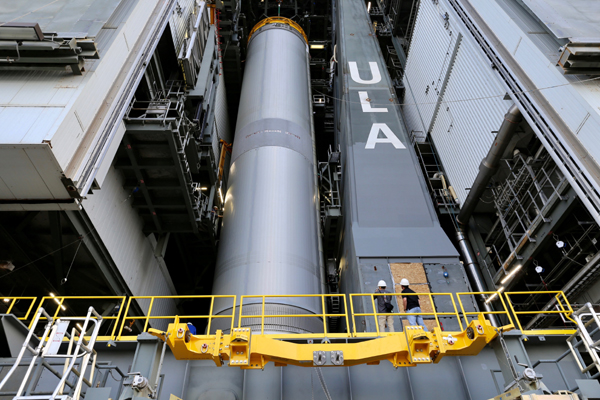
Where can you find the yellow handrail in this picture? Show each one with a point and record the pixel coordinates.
(60, 306)
(490, 295)
(540, 332)
(323, 315)
(67, 306)
(148, 316)
(13, 300)
(376, 313)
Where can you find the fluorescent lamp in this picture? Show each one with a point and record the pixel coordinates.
(221, 195)
(369, 7)
(203, 188)
(80, 327)
(6, 300)
(63, 308)
(20, 31)
(492, 297)
(317, 46)
(510, 274)
(51, 294)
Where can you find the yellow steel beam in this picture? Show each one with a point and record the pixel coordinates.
(253, 351)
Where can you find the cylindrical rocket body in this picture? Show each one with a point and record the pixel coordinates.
(269, 239)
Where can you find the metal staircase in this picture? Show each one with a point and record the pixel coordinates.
(588, 325)
(49, 347)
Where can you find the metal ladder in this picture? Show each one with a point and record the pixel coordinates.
(588, 324)
(49, 347)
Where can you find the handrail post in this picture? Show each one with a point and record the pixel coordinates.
(323, 314)
(262, 322)
(112, 334)
(348, 331)
(456, 311)
(212, 302)
(375, 314)
(149, 313)
(352, 312)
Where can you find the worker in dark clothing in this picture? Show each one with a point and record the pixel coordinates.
(411, 305)
(383, 306)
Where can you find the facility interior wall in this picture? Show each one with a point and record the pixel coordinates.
(203, 380)
(576, 102)
(452, 93)
(179, 23)
(59, 107)
(120, 228)
(358, 382)
(567, 103)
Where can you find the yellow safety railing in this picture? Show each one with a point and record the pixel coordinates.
(375, 314)
(11, 301)
(67, 306)
(323, 315)
(489, 297)
(563, 309)
(148, 315)
(125, 323)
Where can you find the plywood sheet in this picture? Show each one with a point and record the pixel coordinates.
(415, 273)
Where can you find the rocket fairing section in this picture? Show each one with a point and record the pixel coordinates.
(270, 237)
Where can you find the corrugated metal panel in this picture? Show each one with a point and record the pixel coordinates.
(472, 109)
(180, 22)
(120, 228)
(429, 55)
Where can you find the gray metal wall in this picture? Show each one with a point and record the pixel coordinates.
(452, 92)
(388, 214)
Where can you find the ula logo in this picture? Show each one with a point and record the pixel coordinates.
(388, 135)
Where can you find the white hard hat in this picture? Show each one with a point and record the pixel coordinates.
(404, 282)
(381, 284)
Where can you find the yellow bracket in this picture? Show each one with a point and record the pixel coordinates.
(253, 351)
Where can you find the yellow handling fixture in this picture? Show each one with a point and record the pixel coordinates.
(253, 351)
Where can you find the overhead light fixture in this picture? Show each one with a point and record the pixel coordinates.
(317, 46)
(369, 7)
(7, 265)
(492, 297)
(6, 300)
(203, 188)
(20, 31)
(63, 308)
(80, 327)
(510, 274)
(221, 195)
(51, 294)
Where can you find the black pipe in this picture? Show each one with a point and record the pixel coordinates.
(489, 165)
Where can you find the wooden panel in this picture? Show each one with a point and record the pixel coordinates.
(415, 273)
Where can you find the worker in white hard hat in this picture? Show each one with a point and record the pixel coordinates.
(384, 305)
(411, 305)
